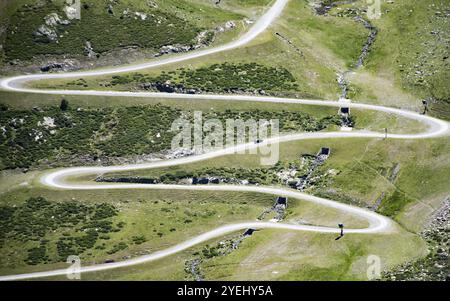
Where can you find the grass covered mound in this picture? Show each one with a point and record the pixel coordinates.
(30, 137)
(216, 78)
(35, 30)
(73, 227)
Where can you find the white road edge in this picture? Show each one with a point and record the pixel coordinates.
(377, 223)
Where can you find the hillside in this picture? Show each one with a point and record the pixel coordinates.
(90, 164)
(61, 37)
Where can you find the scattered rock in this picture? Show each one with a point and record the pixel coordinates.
(71, 12)
(49, 33)
(89, 50)
(48, 122)
(66, 65)
(49, 29)
(142, 16)
(53, 19)
(110, 9)
(230, 25)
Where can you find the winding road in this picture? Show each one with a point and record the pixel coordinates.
(58, 179)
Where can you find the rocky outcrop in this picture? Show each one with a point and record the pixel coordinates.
(152, 4)
(229, 25)
(192, 267)
(72, 12)
(89, 50)
(48, 31)
(65, 65)
(203, 39)
(54, 19)
(168, 87)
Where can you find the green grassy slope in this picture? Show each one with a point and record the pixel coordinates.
(166, 23)
(364, 172)
(145, 221)
(411, 49)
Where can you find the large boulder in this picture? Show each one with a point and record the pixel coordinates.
(47, 32)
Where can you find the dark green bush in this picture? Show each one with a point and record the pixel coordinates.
(37, 218)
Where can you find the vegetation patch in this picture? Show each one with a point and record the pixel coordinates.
(61, 134)
(73, 227)
(216, 78)
(288, 173)
(44, 29)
